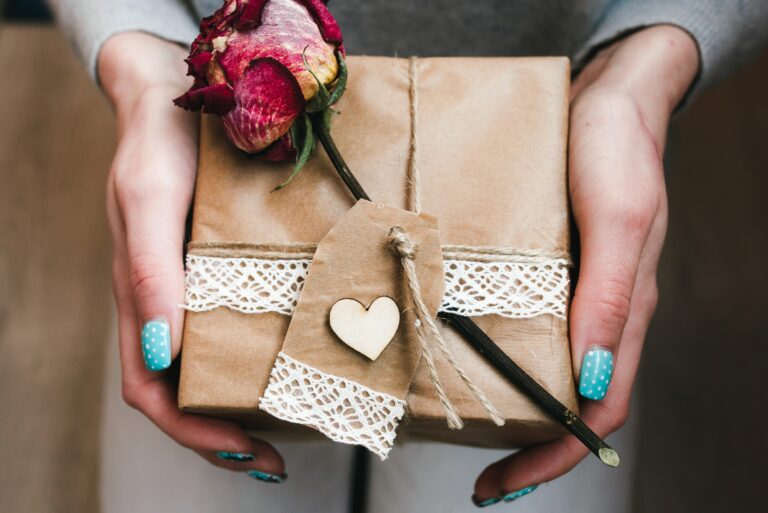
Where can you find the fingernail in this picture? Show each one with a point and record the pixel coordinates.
(266, 477)
(486, 502)
(156, 345)
(596, 373)
(235, 456)
(511, 496)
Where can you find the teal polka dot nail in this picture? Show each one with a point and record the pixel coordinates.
(512, 496)
(156, 345)
(486, 502)
(235, 456)
(596, 373)
(266, 477)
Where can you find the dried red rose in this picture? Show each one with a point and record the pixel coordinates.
(260, 64)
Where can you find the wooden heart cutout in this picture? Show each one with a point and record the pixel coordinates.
(366, 330)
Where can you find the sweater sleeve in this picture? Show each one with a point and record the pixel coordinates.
(89, 23)
(727, 32)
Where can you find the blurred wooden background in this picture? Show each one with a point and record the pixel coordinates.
(702, 391)
(56, 143)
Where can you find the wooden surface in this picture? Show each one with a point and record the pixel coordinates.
(702, 393)
(55, 147)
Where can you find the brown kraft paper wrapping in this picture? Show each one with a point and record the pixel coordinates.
(492, 140)
(320, 381)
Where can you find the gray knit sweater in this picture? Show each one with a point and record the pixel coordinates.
(727, 31)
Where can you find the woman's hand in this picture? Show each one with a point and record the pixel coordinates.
(620, 107)
(149, 192)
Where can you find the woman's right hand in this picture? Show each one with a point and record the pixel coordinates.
(149, 193)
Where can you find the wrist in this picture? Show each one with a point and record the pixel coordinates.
(131, 64)
(655, 66)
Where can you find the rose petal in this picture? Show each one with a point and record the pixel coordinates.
(198, 64)
(249, 16)
(215, 99)
(289, 34)
(325, 21)
(267, 100)
(217, 24)
(221, 17)
(281, 150)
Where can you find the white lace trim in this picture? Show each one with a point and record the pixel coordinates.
(248, 285)
(514, 289)
(341, 409)
(511, 289)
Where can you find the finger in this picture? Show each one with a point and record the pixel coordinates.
(545, 462)
(131, 361)
(614, 203)
(262, 462)
(154, 190)
(157, 400)
(538, 464)
(156, 397)
(542, 463)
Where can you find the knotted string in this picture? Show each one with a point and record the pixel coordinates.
(425, 324)
(426, 328)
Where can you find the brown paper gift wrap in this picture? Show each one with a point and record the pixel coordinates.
(492, 136)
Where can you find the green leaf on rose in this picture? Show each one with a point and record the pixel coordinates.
(303, 138)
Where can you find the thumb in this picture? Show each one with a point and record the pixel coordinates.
(611, 242)
(615, 182)
(155, 236)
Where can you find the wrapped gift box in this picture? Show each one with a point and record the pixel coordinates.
(492, 136)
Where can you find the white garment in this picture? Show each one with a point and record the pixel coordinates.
(142, 470)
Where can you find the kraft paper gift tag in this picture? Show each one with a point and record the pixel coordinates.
(320, 381)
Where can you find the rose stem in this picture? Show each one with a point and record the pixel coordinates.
(321, 129)
(479, 339)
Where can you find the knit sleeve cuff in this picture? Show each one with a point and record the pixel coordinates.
(90, 23)
(726, 33)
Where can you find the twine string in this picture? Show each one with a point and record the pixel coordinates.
(406, 250)
(414, 176)
(426, 328)
(306, 250)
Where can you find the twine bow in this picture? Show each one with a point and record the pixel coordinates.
(426, 328)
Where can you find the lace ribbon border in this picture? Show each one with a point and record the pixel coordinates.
(513, 289)
(302, 394)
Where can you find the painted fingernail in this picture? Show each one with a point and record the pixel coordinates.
(512, 496)
(266, 477)
(156, 345)
(486, 502)
(235, 456)
(596, 373)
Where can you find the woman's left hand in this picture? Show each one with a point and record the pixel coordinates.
(149, 193)
(620, 108)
